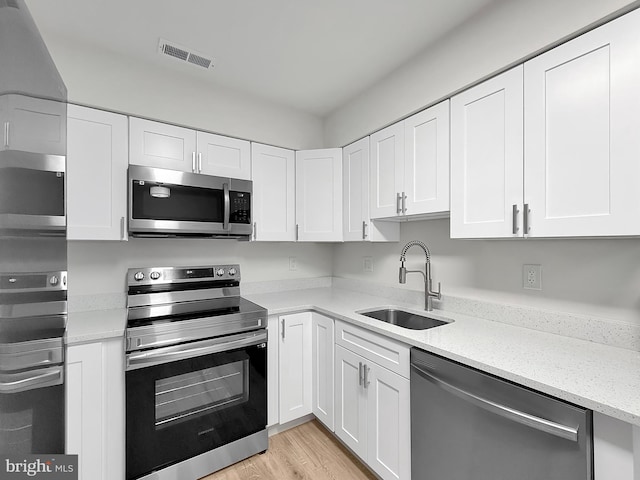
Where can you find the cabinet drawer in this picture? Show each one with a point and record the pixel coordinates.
(377, 348)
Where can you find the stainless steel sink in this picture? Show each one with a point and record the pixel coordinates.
(403, 318)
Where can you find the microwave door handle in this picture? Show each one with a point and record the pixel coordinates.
(227, 206)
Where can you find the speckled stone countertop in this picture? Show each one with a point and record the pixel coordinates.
(95, 325)
(603, 378)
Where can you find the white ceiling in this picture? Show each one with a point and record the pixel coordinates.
(312, 55)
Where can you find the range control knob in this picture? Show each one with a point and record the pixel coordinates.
(232, 271)
(139, 276)
(53, 280)
(220, 272)
(154, 275)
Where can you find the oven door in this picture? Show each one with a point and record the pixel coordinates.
(192, 404)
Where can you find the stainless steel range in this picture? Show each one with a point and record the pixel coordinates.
(196, 372)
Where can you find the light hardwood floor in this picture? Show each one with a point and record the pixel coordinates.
(306, 452)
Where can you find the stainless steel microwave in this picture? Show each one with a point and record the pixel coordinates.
(171, 203)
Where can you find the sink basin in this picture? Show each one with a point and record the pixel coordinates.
(403, 318)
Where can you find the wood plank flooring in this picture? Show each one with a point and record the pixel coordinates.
(306, 452)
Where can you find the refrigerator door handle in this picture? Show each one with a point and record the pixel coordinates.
(523, 418)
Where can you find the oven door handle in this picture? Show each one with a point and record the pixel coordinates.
(21, 382)
(195, 349)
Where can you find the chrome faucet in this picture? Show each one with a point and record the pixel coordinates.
(428, 293)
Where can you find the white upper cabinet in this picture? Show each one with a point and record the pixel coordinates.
(274, 191)
(33, 125)
(387, 171)
(156, 144)
(319, 195)
(426, 166)
(223, 156)
(582, 147)
(357, 224)
(410, 166)
(486, 158)
(96, 174)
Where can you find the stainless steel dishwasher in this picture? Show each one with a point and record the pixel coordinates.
(469, 425)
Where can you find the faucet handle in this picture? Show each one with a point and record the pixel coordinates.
(439, 297)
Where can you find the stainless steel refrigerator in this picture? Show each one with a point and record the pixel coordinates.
(33, 251)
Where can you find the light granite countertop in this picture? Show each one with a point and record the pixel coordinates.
(599, 377)
(603, 378)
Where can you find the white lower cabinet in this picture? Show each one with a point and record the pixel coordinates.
(322, 366)
(95, 408)
(372, 402)
(295, 372)
(616, 449)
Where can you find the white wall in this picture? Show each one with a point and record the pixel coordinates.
(102, 79)
(595, 277)
(98, 268)
(487, 43)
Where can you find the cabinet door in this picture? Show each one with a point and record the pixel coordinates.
(355, 176)
(95, 408)
(426, 167)
(319, 195)
(581, 156)
(274, 192)
(96, 174)
(223, 156)
(322, 361)
(388, 422)
(33, 125)
(351, 401)
(273, 370)
(486, 158)
(387, 171)
(155, 144)
(295, 366)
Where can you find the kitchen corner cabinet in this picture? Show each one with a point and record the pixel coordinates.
(156, 144)
(581, 144)
(33, 124)
(357, 223)
(96, 174)
(409, 173)
(487, 158)
(322, 366)
(295, 371)
(319, 195)
(372, 400)
(95, 408)
(274, 191)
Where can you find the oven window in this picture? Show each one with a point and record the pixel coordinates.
(31, 192)
(199, 393)
(177, 203)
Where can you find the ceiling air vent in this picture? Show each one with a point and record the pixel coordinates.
(182, 53)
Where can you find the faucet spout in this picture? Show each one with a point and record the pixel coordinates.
(429, 294)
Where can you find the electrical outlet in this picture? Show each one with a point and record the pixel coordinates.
(532, 277)
(293, 263)
(367, 264)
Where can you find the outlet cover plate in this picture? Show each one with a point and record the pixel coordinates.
(532, 277)
(367, 264)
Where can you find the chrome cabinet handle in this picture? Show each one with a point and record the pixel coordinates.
(514, 216)
(6, 134)
(282, 322)
(509, 413)
(227, 206)
(398, 203)
(404, 203)
(255, 230)
(193, 162)
(525, 218)
(199, 162)
(366, 381)
(360, 373)
(122, 235)
(297, 232)
(364, 230)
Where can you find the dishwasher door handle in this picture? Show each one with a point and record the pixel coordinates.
(527, 419)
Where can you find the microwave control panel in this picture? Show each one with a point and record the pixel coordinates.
(240, 207)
